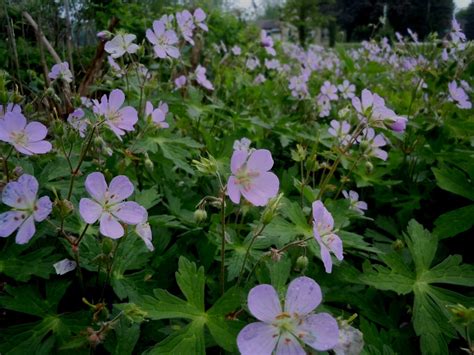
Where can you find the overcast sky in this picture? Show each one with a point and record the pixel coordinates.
(462, 3)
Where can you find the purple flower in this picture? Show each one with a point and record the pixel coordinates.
(355, 204)
(158, 115)
(346, 89)
(267, 43)
(78, 122)
(9, 108)
(180, 81)
(186, 25)
(298, 85)
(324, 105)
(120, 45)
(459, 96)
(236, 50)
(21, 195)
(242, 144)
(372, 144)
(61, 71)
(456, 32)
(163, 40)
(259, 79)
(252, 63)
(117, 70)
(251, 177)
(117, 119)
(323, 230)
(340, 130)
(104, 35)
(329, 90)
(199, 17)
(64, 266)
(272, 64)
(202, 79)
(351, 340)
(413, 35)
(284, 330)
(106, 205)
(26, 138)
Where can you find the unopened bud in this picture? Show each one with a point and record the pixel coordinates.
(369, 167)
(461, 314)
(107, 246)
(149, 166)
(200, 215)
(207, 166)
(299, 154)
(398, 245)
(271, 210)
(344, 112)
(65, 207)
(302, 262)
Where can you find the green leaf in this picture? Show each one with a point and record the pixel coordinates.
(455, 181)
(422, 246)
(166, 306)
(279, 272)
(451, 271)
(191, 282)
(454, 222)
(148, 198)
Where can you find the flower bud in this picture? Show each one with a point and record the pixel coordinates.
(207, 166)
(271, 210)
(302, 263)
(369, 167)
(65, 207)
(461, 314)
(344, 112)
(149, 166)
(200, 215)
(398, 245)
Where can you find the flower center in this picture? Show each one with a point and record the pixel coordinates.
(245, 177)
(19, 137)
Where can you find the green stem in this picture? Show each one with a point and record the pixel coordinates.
(5, 165)
(222, 277)
(255, 235)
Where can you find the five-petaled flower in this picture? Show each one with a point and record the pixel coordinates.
(323, 230)
(107, 205)
(21, 195)
(355, 204)
(157, 115)
(459, 96)
(289, 329)
(119, 119)
(26, 138)
(251, 177)
(61, 71)
(202, 79)
(163, 40)
(121, 44)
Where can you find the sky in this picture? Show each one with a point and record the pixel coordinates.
(247, 3)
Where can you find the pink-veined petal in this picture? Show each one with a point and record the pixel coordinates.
(289, 345)
(263, 303)
(26, 231)
(238, 159)
(120, 188)
(10, 221)
(89, 210)
(43, 208)
(321, 331)
(96, 186)
(260, 160)
(257, 339)
(233, 189)
(110, 227)
(303, 296)
(129, 212)
(263, 188)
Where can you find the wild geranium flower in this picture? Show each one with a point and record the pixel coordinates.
(21, 195)
(26, 138)
(340, 130)
(259, 79)
(186, 25)
(272, 63)
(459, 96)
(323, 230)
(236, 50)
(351, 341)
(163, 40)
(457, 34)
(372, 143)
(116, 69)
(11, 107)
(251, 177)
(324, 105)
(61, 71)
(355, 204)
(107, 205)
(180, 81)
(346, 89)
(199, 17)
(298, 85)
(371, 108)
(157, 115)
(267, 43)
(286, 331)
(242, 144)
(78, 122)
(252, 63)
(413, 35)
(329, 90)
(121, 44)
(202, 79)
(119, 119)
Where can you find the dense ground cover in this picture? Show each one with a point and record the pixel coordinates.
(210, 176)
